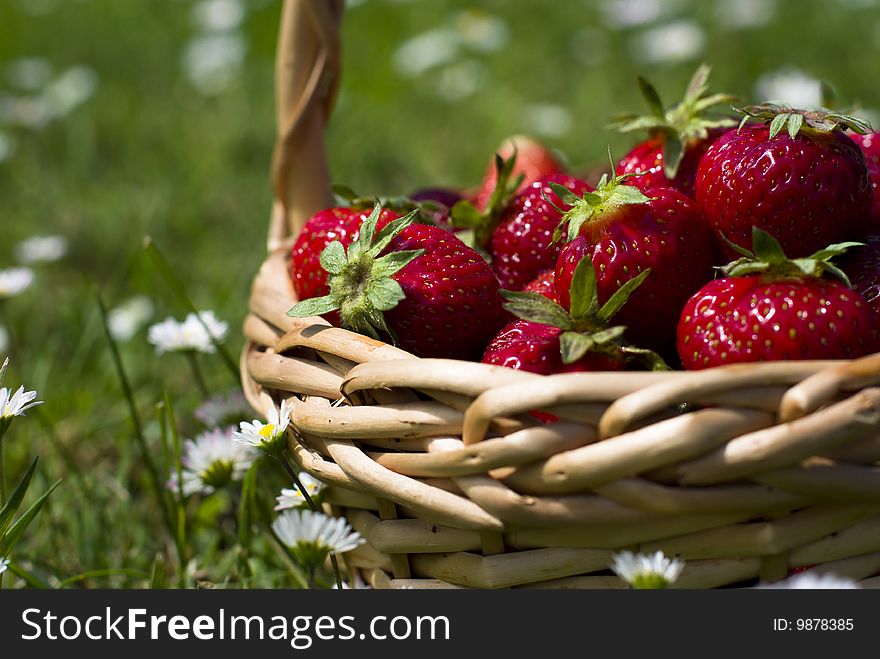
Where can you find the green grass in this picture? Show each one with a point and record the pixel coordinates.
(150, 155)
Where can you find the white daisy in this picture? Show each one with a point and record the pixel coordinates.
(621, 14)
(311, 535)
(211, 461)
(127, 319)
(14, 404)
(4, 565)
(293, 498)
(173, 336)
(41, 249)
(425, 51)
(69, 90)
(15, 280)
(646, 571)
(481, 31)
(268, 437)
(18, 403)
(814, 581)
(678, 41)
(789, 85)
(744, 14)
(218, 15)
(224, 409)
(548, 119)
(212, 61)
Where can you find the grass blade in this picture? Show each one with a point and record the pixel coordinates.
(21, 524)
(8, 511)
(111, 572)
(153, 473)
(245, 515)
(31, 579)
(157, 580)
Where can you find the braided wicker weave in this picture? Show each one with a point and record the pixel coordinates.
(743, 471)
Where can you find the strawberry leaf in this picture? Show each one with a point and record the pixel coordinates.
(673, 152)
(388, 233)
(332, 259)
(795, 122)
(699, 83)
(766, 247)
(390, 264)
(621, 295)
(652, 359)
(536, 308)
(608, 335)
(583, 290)
(316, 306)
(778, 124)
(834, 250)
(652, 98)
(344, 193)
(368, 227)
(574, 345)
(384, 294)
(834, 271)
(567, 196)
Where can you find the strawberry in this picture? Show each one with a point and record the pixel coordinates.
(769, 307)
(545, 284)
(678, 137)
(625, 231)
(548, 339)
(516, 232)
(862, 266)
(869, 143)
(533, 161)
(800, 178)
(418, 284)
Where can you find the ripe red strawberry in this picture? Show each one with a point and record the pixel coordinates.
(869, 143)
(800, 178)
(678, 138)
(516, 232)
(545, 284)
(625, 232)
(419, 284)
(548, 339)
(771, 308)
(309, 279)
(533, 161)
(535, 348)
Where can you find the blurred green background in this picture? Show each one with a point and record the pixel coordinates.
(120, 119)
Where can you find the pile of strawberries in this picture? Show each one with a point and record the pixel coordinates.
(711, 243)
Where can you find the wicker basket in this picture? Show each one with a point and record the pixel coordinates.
(743, 471)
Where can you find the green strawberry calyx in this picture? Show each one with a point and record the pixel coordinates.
(361, 283)
(680, 125)
(587, 326)
(596, 207)
(768, 259)
(782, 117)
(479, 224)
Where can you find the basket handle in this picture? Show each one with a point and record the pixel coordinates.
(306, 81)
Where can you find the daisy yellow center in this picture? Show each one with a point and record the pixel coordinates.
(267, 431)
